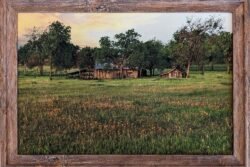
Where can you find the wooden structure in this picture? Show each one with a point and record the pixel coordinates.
(82, 74)
(9, 9)
(115, 73)
(103, 74)
(87, 74)
(174, 73)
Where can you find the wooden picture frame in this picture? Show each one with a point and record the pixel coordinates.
(8, 81)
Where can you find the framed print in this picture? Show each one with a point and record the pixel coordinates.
(125, 96)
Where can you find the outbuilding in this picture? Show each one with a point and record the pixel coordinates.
(174, 73)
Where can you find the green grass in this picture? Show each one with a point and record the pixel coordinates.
(130, 116)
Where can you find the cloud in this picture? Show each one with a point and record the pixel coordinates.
(82, 24)
(87, 28)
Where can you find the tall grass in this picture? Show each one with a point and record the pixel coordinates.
(130, 116)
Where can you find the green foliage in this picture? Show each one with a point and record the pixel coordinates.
(52, 45)
(125, 44)
(224, 42)
(86, 58)
(188, 45)
(153, 55)
(138, 56)
(64, 56)
(61, 50)
(119, 51)
(24, 53)
(107, 53)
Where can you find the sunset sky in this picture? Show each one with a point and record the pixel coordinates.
(87, 28)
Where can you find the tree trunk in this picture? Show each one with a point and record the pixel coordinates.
(212, 66)
(188, 70)
(228, 68)
(121, 72)
(41, 70)
(25, 69)
(202, 69)
(80, 73)
(151, 72)
(50, 73)
(139, 72)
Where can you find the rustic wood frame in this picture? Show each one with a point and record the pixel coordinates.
(8, 81)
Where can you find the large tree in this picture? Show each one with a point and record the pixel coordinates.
(64, 56)
(188, 43)
(31, 53)
(153, 55)
(165, 60)
(225, 45)
(24, 55)
(125, 44)
(107, 53)
(86, 58)
(138, 57)
(57, 46)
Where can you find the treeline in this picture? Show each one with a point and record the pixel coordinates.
(198, 42)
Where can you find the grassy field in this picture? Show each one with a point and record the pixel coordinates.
(130, 116)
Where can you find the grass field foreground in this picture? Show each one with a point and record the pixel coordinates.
(129, 116)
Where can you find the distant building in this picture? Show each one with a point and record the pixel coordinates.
(174, 73)
(104, 73)
(115, 73)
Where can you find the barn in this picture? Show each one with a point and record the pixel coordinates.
(115, 73)
(174, 73)
(82, 74)
(104, 73)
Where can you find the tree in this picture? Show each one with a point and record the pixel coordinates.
(35, 55)
(86, 58)
(23, 55)
(107, 53)
(154, 53)
(188, 44)
(125, 44)
(211, 50)
(165, 60)
(225, 45)
(138, 57)
(57, 41)
(179, 53)
(64, 56)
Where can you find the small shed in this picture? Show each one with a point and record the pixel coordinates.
(174, 73)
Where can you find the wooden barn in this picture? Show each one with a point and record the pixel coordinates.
(82, 74)
(115, 73)
(174, 73)
(87, 74)
(104, 73)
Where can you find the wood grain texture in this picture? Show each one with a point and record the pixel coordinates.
(124, 160)
(151, 160)
(124, 5)
(9, 86)
(37, 160)
(239, 84)
(247, 8)
(2, 83)
(247, 80)
(115, 166)
(11, 55)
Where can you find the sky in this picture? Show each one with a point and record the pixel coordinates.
(88, 28)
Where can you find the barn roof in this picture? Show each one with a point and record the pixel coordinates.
(174, 70)
(165, 73)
